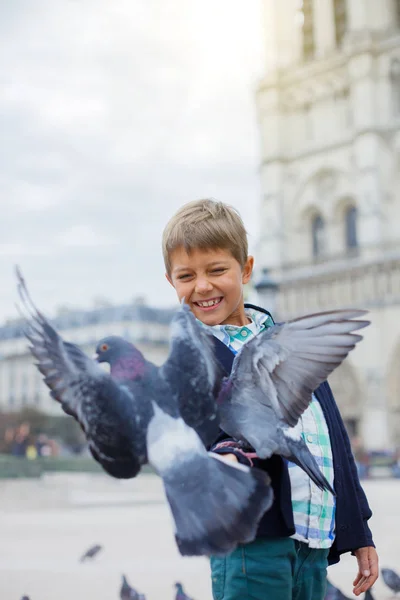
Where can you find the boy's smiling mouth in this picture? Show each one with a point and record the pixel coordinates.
(209, 304)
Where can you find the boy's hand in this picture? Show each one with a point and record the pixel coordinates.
(368, 569)
(230, 457)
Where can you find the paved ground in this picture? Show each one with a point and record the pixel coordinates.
(46, 525)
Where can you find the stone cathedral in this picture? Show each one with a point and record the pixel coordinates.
(329, 117)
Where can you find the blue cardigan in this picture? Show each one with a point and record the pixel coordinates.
(352, 509)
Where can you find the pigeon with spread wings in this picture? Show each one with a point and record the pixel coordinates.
(273, 378)
(132, 416)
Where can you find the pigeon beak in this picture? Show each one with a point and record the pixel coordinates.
(95, 357)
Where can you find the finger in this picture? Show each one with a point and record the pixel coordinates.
(357, 579)
(362, 586)
(360, 583)
(370, 583)
(230, 457)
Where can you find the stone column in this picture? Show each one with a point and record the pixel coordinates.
(270, 19)
(324, 27)
(272, 226)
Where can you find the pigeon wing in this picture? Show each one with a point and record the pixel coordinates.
(71, 375)
(83, 389)
(292, 359)
(194, 374)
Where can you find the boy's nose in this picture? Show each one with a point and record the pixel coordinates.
(203, 286)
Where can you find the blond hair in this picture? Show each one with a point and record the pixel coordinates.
(205, 224)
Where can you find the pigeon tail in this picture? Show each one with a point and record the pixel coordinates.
(218, 506)
(302, 457)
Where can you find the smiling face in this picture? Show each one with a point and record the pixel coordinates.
(211, 281)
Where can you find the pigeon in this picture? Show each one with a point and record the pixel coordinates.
(91, 552)
(271, 383)
(25, 598)
(180, 594)
(368, 595)
(333, 593)
(132, 416)
(391, 579)
(129, 593)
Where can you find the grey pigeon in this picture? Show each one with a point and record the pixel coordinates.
(91, 552)
(25, 598)
(333, 593)
(391, 579)
(129, 593)
(368, 595)
(273, 378)
(132, 416)
(270, 385)
(180, 594)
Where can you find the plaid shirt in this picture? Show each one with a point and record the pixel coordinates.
(313, 509)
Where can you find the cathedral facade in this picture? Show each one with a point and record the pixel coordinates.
(329, 118)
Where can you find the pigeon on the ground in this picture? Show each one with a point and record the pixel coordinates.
(272, 379)
(180, 594)
(129, 593)
(391, 579)
(91, 552)
(25, 598)
(333, 593)
(133, 416)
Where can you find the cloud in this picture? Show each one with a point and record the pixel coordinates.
(113, 114)
(83, 236)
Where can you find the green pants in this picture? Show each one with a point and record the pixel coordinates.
(270, 569)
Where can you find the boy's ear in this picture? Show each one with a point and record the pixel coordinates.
(169, 279)
(248, 269)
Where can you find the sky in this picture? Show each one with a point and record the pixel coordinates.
(113, 115)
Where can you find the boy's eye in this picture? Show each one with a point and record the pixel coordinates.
(185, 276)
(220, 270)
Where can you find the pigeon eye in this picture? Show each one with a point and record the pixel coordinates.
(104, 347)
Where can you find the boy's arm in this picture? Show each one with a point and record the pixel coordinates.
(362, 499)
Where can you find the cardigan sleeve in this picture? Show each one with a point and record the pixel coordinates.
(366, 512)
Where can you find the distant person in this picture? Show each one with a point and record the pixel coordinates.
(8, 440)
(21, 440)
(361, 457)
(42, 445)
(206, 258)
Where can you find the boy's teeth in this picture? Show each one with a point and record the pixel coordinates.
(209, 303)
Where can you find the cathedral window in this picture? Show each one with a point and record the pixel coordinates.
(351, 228)
(340, 15)
(318, 236)
(395, 85)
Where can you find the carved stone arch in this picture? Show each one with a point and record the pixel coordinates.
(321, 188)
(342, 205)
(393, 396)
(304, 229)
(347, 389)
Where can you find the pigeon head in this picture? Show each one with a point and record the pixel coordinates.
(111, 348)
(125, 360)
(178, 586)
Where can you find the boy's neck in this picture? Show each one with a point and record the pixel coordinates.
(238, 318)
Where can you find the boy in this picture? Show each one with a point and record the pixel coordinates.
(207, 262)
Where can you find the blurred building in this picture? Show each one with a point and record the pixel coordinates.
(329, 113)
(20, 381)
